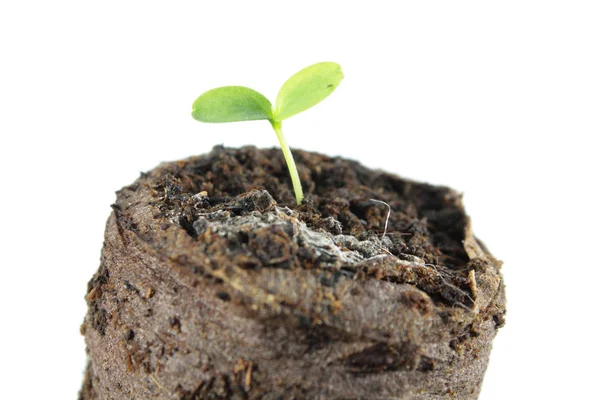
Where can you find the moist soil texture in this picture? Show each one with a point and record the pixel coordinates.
(214, 284)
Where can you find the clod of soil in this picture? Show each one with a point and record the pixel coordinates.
(213, 284)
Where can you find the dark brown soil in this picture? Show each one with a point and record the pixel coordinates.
(213, 284)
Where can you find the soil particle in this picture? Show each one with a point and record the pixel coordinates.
(214, 284)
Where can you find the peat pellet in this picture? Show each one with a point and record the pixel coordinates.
(214, 284)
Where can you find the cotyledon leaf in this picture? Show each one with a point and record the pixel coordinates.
(307, 88)
(231, 104)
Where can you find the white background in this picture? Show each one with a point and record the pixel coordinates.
(497, 99)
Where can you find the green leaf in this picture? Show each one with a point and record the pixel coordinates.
(231, 104)
(307, 88)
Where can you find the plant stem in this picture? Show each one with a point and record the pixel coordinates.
(289, 159)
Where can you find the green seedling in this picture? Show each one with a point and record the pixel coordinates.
(300, 92)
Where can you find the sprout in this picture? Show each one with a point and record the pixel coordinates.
(300, 92)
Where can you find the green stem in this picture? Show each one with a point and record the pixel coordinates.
(289, 159)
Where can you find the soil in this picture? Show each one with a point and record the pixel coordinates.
(214, 284)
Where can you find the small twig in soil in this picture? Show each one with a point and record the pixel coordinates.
(248, 380)
(158, 383)
(387, 219)
(452, 286)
